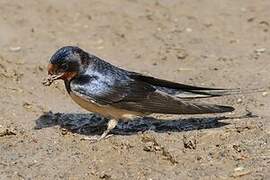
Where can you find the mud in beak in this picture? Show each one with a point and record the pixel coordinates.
(52, 75)
(51, 78)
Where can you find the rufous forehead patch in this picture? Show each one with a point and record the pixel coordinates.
(51, 68)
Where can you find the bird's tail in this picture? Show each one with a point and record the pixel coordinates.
(215, 93)
(191, 92)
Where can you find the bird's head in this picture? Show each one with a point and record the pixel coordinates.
(66, 63)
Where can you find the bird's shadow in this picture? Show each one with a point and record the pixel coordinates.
(92, 124)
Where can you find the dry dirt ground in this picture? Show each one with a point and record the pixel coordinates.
(218, 43)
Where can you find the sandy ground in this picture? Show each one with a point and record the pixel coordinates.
(201, 42)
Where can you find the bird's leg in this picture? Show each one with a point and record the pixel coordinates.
(111, 124)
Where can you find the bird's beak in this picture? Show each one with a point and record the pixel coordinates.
(52, 75)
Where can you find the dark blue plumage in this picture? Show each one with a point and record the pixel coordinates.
(100, 87)
(62, 54)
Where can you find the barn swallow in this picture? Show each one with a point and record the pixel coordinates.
(115, 93)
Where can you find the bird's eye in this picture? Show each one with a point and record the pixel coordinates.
(64, 67)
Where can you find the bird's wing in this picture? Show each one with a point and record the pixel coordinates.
(108, 91)
(160, 102)
(183, 90)
(138, 96)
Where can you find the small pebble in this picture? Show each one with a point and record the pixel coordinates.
(239, 100)
(64, 131)
(260, 50)
(250, 19)
(27, 105)
(181, 54)
(15, 49)
(183, 69)
(240, 168)
(149, 147)
(264, 94)
(240, 171)
(105, 176)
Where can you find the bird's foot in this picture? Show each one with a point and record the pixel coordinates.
(112, 123)
(94, 139)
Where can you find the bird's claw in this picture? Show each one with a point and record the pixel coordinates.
(94, 139)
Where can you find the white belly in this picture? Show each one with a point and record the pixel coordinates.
(104, 110)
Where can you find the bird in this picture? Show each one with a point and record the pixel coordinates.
(119, 94)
